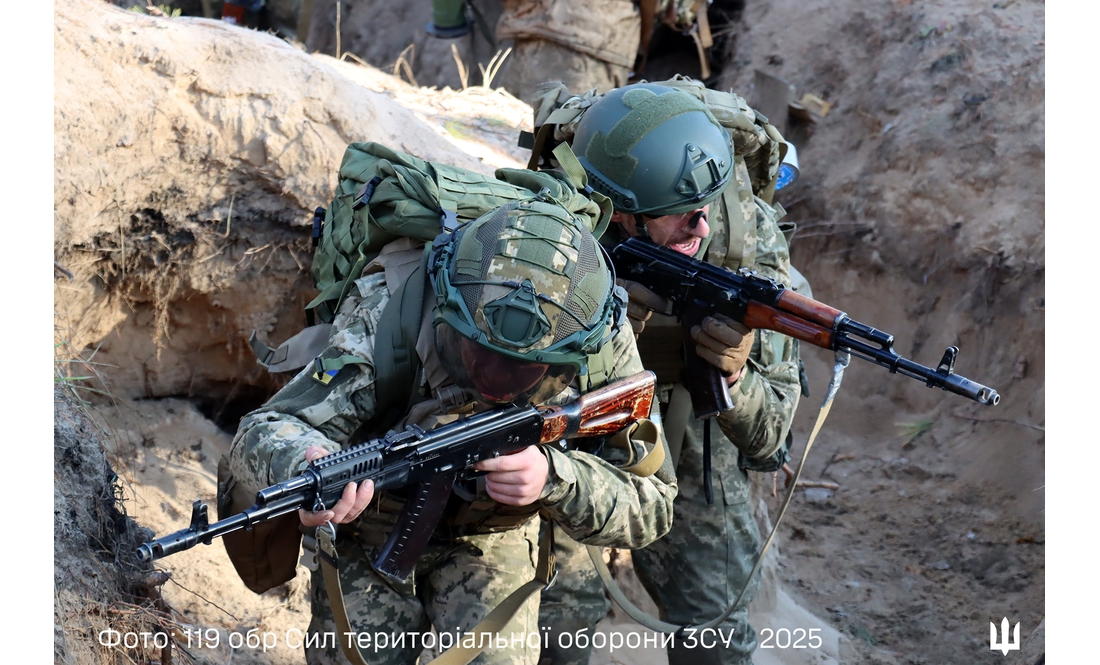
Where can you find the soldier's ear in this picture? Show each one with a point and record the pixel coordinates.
(624, 219)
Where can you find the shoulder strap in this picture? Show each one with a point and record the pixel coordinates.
(296, 352)
(396, 362)
(734, 238)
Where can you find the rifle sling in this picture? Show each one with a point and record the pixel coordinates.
(645, 463)
(493, 622)
(653, 623)
(676, 420)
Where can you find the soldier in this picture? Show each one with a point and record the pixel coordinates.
(518, 307)
(669, 169)
(592, 44)
(589, 44)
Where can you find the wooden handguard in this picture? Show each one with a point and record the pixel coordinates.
(601, 412)
(810, 309)
(758, 315)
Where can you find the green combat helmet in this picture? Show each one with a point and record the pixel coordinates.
(653, 150)
(524, 294)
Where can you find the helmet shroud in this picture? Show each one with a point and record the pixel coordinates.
(523, 295)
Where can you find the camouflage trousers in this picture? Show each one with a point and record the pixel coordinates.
(453, 588)
(575, 601)
(696, 571)
(693, 573)
(582, 43)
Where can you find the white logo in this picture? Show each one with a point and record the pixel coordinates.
(1005, 645)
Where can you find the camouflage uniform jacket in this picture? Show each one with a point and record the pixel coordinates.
(767, 393)
(593, 501)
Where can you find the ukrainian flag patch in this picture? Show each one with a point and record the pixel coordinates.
(324, 376)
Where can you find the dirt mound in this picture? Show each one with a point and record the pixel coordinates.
(193, 154)
(104, 597)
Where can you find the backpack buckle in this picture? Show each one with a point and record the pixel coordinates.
(318, 224)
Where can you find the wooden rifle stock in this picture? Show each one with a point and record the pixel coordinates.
(601, 412)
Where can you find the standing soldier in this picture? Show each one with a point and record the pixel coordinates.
(601, 44)
(669, 168)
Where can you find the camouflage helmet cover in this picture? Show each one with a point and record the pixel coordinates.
(654, 149)
(528, 282)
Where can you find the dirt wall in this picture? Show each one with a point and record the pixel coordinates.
(191, 155)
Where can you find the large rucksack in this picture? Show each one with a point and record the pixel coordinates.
(383, 195)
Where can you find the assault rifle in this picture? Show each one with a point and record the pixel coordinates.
(432, 460)
(697, 289)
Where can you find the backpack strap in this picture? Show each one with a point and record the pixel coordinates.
(396, 363)
(732, 241)
(599, 369)
(579, 179)
(296, 352)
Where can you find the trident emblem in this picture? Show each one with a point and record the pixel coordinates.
(1005, 644)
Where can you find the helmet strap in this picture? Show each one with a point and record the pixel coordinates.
(639, 226)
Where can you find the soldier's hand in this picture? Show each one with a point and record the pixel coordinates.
(642, 304)
(516, 479)
(353, 502)
(724, 343)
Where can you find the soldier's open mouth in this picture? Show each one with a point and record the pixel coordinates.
(687, 248)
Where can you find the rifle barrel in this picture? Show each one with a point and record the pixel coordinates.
(199, 532)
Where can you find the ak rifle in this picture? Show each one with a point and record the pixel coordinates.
(698, 289)
(431, 460)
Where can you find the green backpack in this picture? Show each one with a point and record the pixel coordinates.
(383, 195)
